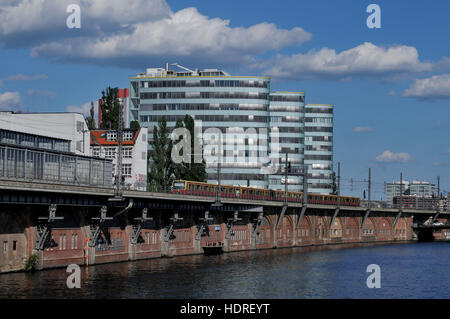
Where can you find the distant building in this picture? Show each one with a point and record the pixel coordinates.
(393, 189)
(418, 188)
(49, 148)
(416, 202)
(319, 147)
(66, 132)
(104, 144)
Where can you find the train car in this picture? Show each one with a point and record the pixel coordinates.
(228, 191)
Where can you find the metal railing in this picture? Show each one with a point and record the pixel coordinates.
(46, 166)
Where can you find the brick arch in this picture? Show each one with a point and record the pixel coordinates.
(305, 231)
(336, 229)
(320, 228)
(285, 231)
(265, 230)
(401, 229)
(384, 229)
(352, 229)
(369, 230)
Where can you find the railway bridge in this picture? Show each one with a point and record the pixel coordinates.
(52, 225)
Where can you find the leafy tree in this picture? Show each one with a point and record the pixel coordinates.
(190, 171)
(135, 125)
(161, 166)
(110, 109)
(90, 120)
(195, 171)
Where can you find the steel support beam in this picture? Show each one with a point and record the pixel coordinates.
(256, 223)
(230, 224)
(173, 220)
(203, 228)
(365, 217)
(336, 212)
(43, 229)
(96, 225)
(397, 219)
(280, 217)
(300, 217)
(138, 224)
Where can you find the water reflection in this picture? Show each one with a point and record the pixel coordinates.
(416, 270)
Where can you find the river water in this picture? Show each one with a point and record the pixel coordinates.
(415, 270)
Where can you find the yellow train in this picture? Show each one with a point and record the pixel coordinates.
(205, 189)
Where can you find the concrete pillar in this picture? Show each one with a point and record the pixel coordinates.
(132, 251)
(197, 242)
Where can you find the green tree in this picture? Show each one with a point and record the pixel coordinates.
(161, 172)
(190, 171)
(110, 109)
(333, 184)
(195, 171)
(90, 120)
(135, 125)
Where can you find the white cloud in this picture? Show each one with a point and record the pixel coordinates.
(83, 109)
(25, 22)
(185, 34)
(361, 129)
(390, 157)
(392, 93)
(434, 88)
(363, 61)
(22, 77)
(9, 100)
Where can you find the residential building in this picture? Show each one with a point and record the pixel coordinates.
(104, 144)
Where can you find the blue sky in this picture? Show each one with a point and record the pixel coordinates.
(390, 86)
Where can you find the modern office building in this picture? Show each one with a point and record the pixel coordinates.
(104, 144)
(286, 117)
(393, 189)
(420, 188)
(319, 147)
(255, 121)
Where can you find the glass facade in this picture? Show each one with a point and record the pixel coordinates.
(22, 163)
(286, 111)
(319, 147)
(244, 107)
(49, 143)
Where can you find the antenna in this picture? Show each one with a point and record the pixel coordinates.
(184, 68)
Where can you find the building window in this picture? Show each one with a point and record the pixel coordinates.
(110, 152)
(128, 135)
(80, 126)
(96, 152)
(127, 152)
(15, 245)
(79, 146)
(111, 136)
(5, 246)
(126, 169)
